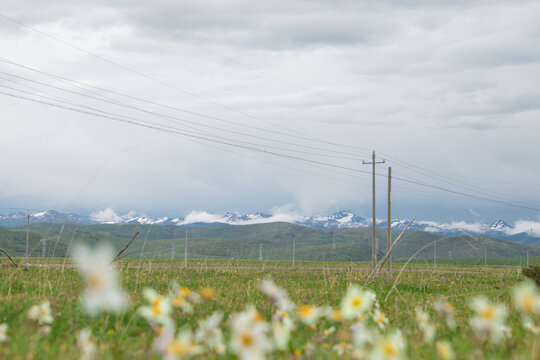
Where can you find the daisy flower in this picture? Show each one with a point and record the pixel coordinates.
(159, 307)
(85, 344)
(308, 314)
(380, 319)
(526, 299)
(249, 336)
(102, 292)
(444, 350)
(41, 313)
(389, 347)
(3, 332)
(276, 294)
(356, 302)
(210, 333)
(489, 318)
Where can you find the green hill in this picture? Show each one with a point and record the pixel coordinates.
(242, 242)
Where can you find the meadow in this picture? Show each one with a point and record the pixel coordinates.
(227, 288)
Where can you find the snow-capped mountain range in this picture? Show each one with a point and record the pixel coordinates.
(525, 231)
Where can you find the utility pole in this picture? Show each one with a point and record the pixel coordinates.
(185, 250)
(527, 258)
(172, 249)
(485, 257)
(293, 248)
(27, 236)
(333, 240)
(435, 254)
(374, 240)
(260, 252)
(43, 248)
(389, 226)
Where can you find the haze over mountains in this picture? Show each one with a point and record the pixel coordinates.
(520, 231)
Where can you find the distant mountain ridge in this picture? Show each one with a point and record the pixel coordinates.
(342, 219)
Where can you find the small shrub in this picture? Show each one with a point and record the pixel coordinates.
(533, 273)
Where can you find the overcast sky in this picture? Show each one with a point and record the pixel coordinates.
(446, 91)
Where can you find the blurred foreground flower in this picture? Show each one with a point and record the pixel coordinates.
(3, 332)
(85, 344)
(249, 336)
(356, 302)
(41, 313)
(276, 294)
(444, 350)
(391, 346)
(488, 322)
(159, 307)
(526, 299)
(102, 292)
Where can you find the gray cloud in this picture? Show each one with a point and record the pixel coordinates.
(443, 85)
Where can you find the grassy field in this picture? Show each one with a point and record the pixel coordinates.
(235, 285)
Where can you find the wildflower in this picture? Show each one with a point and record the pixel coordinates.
(447, 311)
(334, 315)
(389, 347)
(181, 346)
(526, 299)
(210, 333)
(159, 308)
(356, 302)
(85, 344)
(276, 294)
(489, 319)
(3, 332)
(41, 313)
(422, 318)
(444, 350)
(529, 325)
(179, 298)
(329, 331)
(380, 319)
(208, 293)
(308, 314)
(102, 291)
(361, 335)
(249, 339)
(342, 348)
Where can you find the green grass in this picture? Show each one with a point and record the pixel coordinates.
(128, 336)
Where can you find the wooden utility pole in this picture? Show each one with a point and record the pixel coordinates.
(27, 236)
(293, 248)
(389, 226)
(260, 252)
(435, 254)
(374, 240)
(185, 250)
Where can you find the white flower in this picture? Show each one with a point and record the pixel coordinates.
(249, 339)
(444, 350)
(488, 322)
(181, 346)
(422, 318)
(308, 314)
(447, 311)
(380, 319)
(529, 325)
(278, 295)
(361, 335)
(3, 332)
(356, 302)
(85, 344)
(159, 307)
(210, 333)
(526, 299)
(390, 347)
(342, 348)
(102, 292)
(41, 313)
